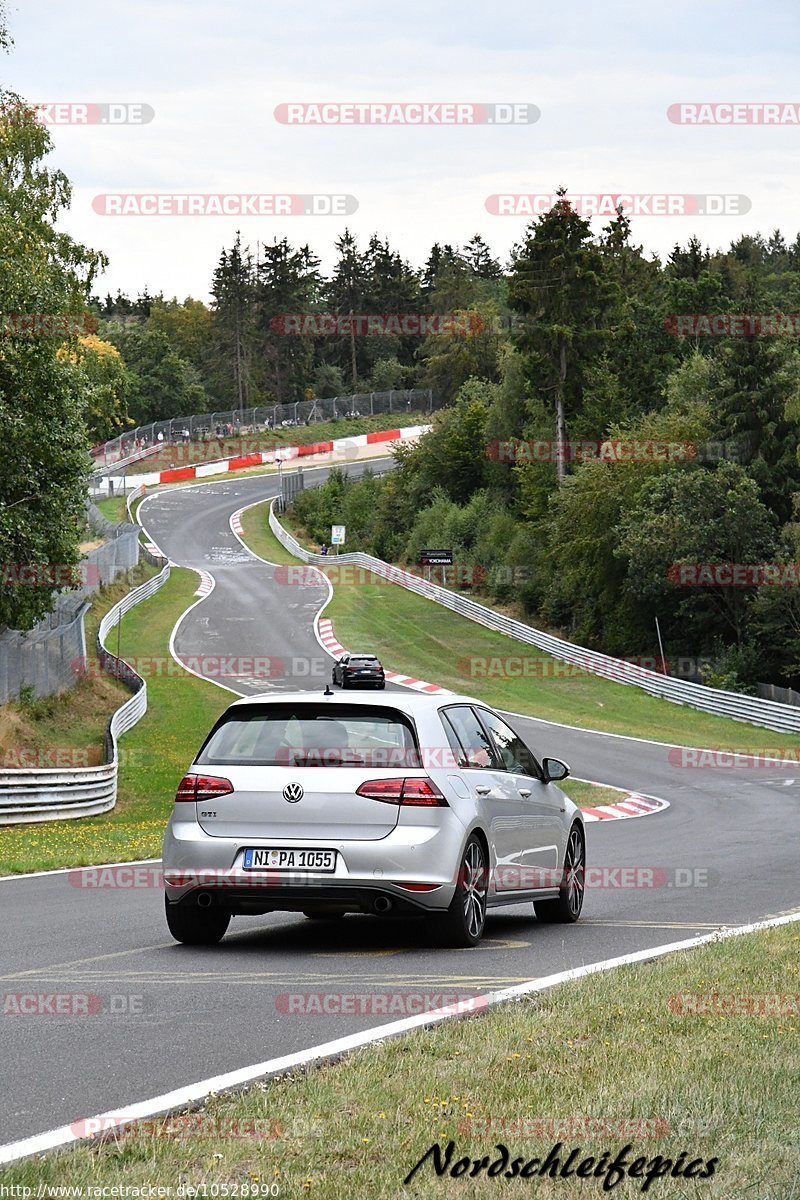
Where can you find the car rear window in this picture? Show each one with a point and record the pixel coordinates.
(312, 735)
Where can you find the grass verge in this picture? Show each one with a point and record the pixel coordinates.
(417, 637)
(589, 795)
(113, 509)
(153, 755)
(612, 1049)
(67, 730)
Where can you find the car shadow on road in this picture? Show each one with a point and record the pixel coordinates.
(362, 935)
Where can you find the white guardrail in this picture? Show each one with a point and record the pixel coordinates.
(51, 794)
(752, 709)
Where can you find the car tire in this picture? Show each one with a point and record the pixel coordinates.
(463, 923)
(381, 686)
(196, 926)
(567, 908)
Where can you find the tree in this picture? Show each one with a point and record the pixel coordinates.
(45, 460)
(755, 398)
(102, 381)
(161, 384)
(287, 281)
(690, 517)
(452, 456)
(188, 327)
(232, 325)
(327, 381)
(560, 283)
(387, 374)
(479, 259)
(346, 293)
(449, 358)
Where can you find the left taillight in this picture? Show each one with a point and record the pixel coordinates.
(202, 787)
(415, 792)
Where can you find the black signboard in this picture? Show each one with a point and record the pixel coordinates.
(436, 558)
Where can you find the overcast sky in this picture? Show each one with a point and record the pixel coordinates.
(603, 76)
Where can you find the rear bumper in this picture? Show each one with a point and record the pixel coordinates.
(387, 901)
(195, 863)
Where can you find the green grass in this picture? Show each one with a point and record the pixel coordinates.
(113, 509)
(420, 638)
(589, 795)
(260, 538)
(46, 732)
(609, 1047)
(153, 755)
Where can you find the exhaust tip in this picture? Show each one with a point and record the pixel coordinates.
(382, 904)
(205, 900)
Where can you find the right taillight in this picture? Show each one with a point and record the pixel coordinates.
(202, 787)
(415, 792)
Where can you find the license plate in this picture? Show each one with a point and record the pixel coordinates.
(290, 860)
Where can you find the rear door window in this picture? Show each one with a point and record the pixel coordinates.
(468, 738)
(514, 754)
(310, 735)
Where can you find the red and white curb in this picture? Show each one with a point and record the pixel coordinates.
(340, 450)
(634, 805)
(236, 523)
(335, 648)
(206, 584)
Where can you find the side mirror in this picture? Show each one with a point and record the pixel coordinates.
(554, 770)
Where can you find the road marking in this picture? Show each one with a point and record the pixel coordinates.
(658, 924)
(133, 862)
(79, 962)
(196, 1093)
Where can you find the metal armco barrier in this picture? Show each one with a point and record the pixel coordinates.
(52, 794)
(751, 709)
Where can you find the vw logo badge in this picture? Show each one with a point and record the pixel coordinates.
(293, 792)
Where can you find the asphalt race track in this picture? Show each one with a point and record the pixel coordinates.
(723, 854)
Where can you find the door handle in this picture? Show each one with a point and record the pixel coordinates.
(482, 789)
(525, 792)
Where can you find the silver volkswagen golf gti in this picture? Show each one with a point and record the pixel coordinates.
(400, 805)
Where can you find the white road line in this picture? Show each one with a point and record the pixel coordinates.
(196, 1093)
(133, 862)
